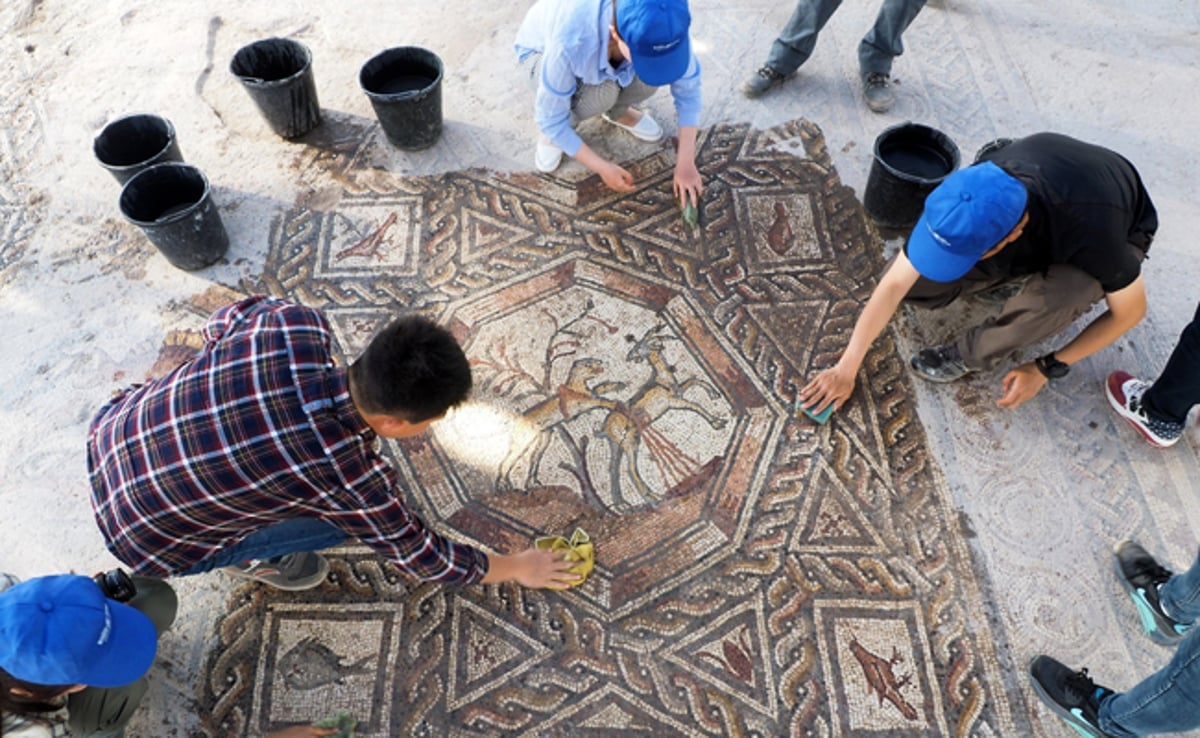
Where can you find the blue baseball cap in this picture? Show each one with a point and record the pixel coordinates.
(967, 214)
(656, 32)
(63, 630)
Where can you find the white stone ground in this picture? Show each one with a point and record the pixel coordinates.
(1046, 489)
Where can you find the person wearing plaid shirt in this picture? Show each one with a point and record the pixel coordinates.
(260, 450)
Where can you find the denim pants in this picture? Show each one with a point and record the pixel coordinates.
(1166, 701)
(876, 51)
(1178, 387)
(290, 536)
(99, 712)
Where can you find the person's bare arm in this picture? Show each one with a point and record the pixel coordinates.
(835, 384)
(687, 182)
(614, 175)
(532, 568)
(1126, 307)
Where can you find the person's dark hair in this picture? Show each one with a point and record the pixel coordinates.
(39, 699)
(413, 370)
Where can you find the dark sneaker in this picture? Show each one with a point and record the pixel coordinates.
(1072, 695)
(293, 572)
(1141, 576)
(763, 80)
(940, 363)
(1125, 395)
(877, 89)
(1001, 293)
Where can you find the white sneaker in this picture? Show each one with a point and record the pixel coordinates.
(647, 129)
(547, 156)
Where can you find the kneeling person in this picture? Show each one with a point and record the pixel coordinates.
(71, 657)
(261, 450)
(1070, 219)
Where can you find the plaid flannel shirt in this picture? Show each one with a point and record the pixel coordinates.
(257, 429)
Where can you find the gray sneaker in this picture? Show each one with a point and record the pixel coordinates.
(292, 572)
(1141, 576)
(877, 89)
(764, 79)
(940, 363)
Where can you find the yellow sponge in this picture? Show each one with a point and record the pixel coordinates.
(578, 547)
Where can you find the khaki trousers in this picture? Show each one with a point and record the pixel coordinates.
(98, 712)
(1047, 305)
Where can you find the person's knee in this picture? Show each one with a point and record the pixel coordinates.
(97, 712)
(593, 100)
(156, 600)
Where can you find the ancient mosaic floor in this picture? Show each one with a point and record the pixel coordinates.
(756, 574)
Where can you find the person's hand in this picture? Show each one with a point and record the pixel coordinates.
(832, 386)
(538, 569)
(1021, 384)
(303, 731)
(687, 184)
(616, 177)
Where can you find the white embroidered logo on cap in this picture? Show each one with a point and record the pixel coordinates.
(660, 48)
(937, 236)
(104, 634)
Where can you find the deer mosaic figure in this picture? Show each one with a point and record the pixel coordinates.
(629, 425)
(574, 397)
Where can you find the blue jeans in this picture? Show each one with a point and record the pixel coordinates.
(290, 536)
(1166, 701)
(876, 51)
(1178, 387)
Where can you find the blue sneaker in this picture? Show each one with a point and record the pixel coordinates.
(1072, 695)
(1141, 576)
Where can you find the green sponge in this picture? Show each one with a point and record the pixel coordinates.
(691, 215)
(822, 417)
(342, 721)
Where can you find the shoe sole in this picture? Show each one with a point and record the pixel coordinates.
(547, 170)
(754, 94)
(635, 134)
(1146, 614)
(1119, 407)
(323, 571)
(1072, 720)
(930, 378)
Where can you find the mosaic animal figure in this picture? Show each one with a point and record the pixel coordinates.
(574, 397)
(311, 664)
(736, 658)
(880, 678)
(629, 425)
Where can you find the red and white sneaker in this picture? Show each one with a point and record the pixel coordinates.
(1124, 393)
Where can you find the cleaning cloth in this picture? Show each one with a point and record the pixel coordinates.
(578, 547)
(343, 721)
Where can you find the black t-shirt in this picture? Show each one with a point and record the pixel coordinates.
(1086, 204)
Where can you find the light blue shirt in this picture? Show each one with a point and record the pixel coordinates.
(572, 36)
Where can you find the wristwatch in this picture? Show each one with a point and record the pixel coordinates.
(1050, 367)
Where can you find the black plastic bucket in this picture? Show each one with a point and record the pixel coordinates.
(910, 161)
(173, 206)
(277, 72)
(404, 85)
(131, 143)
